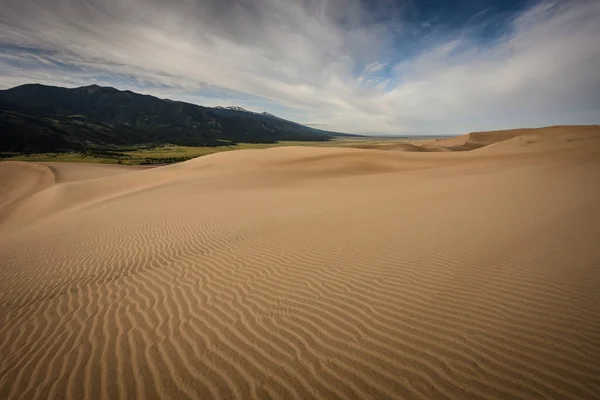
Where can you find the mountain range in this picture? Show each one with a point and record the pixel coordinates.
(39, 118)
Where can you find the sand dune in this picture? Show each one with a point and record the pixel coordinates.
(19, 180)
(308, 273)
(518, 138)
(64, 172)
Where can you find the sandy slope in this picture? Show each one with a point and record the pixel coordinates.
(308, 273)
(69, 172)
(19, 180)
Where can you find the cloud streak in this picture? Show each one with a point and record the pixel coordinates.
(336, 63)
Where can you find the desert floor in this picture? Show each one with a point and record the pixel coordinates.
(419, 271)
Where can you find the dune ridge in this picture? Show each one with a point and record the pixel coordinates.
(308, 273)
(21, 180)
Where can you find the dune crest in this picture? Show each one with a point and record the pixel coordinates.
(300, 273)
(519, 137)
(20, 180)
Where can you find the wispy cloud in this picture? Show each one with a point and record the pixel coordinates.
(375, 67)
(335, 63)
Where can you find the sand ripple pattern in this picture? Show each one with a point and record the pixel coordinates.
(426, 284)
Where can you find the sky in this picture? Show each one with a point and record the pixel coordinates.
(356, 66)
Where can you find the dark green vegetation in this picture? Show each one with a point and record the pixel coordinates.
(166, 154)
(163, 154)
(106, 123)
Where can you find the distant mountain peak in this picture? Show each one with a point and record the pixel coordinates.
(240, 109)
(232, 108)
(96, 88)
(266, 114)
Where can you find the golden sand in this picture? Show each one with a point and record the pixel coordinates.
(298, 273)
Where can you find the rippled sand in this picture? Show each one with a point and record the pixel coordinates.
(308, 273)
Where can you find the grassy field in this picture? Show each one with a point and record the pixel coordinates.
(171, 153)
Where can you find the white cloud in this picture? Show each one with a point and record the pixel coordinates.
(304, 54)
(375, 67)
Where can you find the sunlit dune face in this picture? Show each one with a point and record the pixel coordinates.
(299, 273)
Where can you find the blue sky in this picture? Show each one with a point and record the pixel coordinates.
(377, 66)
